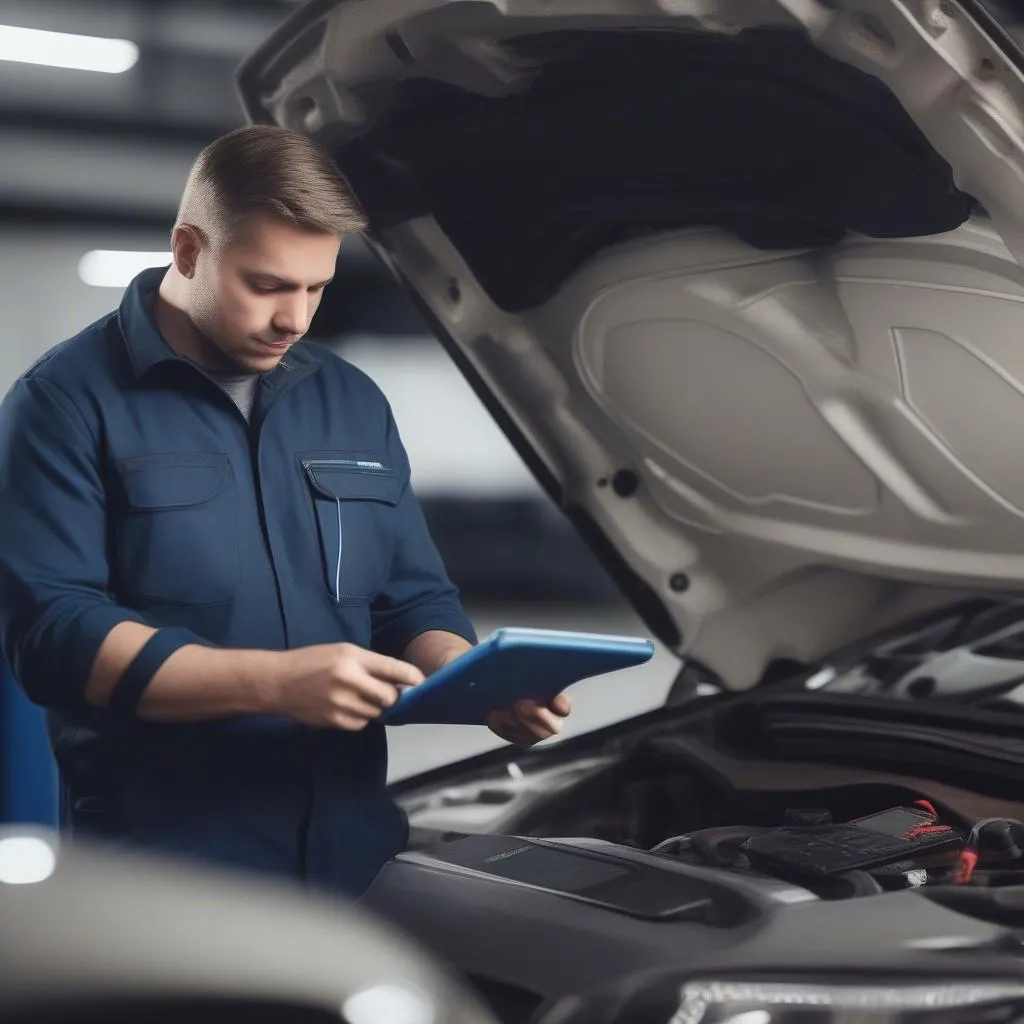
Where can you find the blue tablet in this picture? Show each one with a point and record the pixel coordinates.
(512, 665)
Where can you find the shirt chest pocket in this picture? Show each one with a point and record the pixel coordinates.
(353, 501)
(177, 533)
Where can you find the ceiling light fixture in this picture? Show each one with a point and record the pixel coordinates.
(109, 268)
(64, 50)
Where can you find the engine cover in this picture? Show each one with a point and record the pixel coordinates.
(554, 917)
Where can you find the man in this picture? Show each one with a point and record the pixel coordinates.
(213, 571)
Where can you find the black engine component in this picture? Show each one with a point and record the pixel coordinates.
(828, 850)
(607, 881)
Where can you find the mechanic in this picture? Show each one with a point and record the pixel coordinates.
(214, 573)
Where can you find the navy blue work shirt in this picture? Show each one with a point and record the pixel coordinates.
(133, 489)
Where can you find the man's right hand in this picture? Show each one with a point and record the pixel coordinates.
(340, 686)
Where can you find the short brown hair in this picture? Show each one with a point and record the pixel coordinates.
(267, 169)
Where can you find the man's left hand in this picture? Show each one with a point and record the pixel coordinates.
(528, 722)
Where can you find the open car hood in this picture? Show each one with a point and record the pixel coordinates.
(740, 280)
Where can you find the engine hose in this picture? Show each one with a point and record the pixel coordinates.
(721, 846)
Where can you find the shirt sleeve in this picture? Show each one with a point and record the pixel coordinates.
(55, 604)
(418, 595)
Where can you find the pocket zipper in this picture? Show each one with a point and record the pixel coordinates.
(355, 466)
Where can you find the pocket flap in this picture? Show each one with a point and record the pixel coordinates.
(353, 480)
(173, 480)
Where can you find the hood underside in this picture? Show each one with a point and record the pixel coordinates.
(740, 280)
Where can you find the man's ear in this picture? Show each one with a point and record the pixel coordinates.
(187, 241)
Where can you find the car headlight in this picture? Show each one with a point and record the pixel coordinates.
(753, 1002)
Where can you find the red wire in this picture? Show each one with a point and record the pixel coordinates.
(925, 827)
(964, 870)
(924, 830)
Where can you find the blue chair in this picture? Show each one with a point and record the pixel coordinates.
(28, 773)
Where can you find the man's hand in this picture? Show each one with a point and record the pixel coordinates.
(528, 722)
(339, 686)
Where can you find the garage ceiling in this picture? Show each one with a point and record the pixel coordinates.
(113, 150)
(78, 144)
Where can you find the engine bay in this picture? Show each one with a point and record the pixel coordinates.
(530, 920)
(836, 840)
(761, 786)
(804, 823)
(905, 845)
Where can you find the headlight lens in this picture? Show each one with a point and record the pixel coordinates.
(749, 1002)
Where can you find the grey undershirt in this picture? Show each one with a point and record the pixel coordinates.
(240, 388)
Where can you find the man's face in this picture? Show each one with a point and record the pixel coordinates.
(254, 297)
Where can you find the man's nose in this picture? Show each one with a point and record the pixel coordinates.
(293, 315)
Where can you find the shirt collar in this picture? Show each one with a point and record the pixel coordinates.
(147, 347)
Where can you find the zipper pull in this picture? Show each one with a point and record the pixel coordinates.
(337, 569)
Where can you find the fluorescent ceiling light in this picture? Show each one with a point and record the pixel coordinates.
(108, 268)
(63, 50)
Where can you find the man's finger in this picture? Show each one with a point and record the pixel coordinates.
(550, 723)
(391, 670)
(376, 693)
(355, 705)
(505, 725)
(538, 719)
(350, 723)
(500, 719)
(561, 705)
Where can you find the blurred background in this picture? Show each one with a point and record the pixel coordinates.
(96, 139)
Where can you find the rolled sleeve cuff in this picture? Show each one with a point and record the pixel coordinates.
(83, 637)
(136, 677)
(395, 636)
